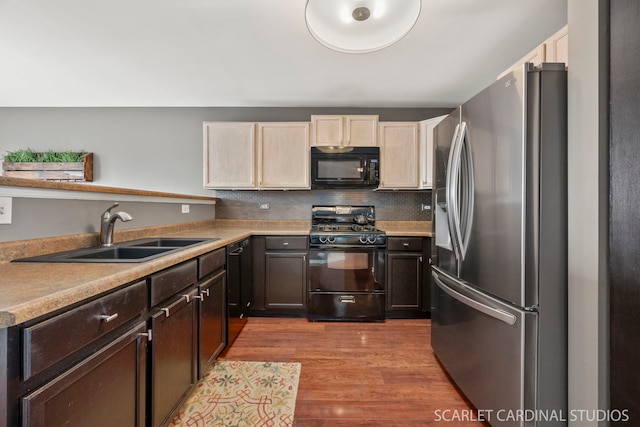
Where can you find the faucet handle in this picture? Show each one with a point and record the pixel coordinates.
(107, 213)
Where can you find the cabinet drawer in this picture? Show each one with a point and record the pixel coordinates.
(404, 244)
(166, 283)
(52, 340)
(208, 263)
(101, 390)
(287, 242)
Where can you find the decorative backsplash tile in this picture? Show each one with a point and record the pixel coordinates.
(296, 205)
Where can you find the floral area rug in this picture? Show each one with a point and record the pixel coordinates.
(242, 394)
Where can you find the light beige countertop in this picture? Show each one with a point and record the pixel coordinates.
(31, 290)
(405, 228)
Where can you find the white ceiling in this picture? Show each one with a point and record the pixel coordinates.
(253, 53)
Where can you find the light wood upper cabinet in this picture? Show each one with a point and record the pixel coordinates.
(399, 162)
(536, 56)
(356, 131)
(557, 46)
(361, 131)
(229, 155)
(426, 151)
(242, 155)
(283, 153)
(327, 130)
(554, 49)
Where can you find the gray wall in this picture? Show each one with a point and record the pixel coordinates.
(160, 149)
(37, 217)
(156, 149)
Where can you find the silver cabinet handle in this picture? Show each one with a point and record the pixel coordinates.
(166, 311)
(200, 297)
(205, 292)
(347, 299)
(285, 243)
(406, 245)
(187, 297)
(147, 334)
(108, 318)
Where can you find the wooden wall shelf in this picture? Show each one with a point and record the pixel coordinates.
(90, 188)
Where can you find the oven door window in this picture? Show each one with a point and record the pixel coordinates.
(329, 169)
(350, 270)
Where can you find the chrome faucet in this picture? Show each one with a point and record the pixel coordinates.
(107, 222)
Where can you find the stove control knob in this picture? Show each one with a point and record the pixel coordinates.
(363, 239)
(331, 239)
(323, 239)
(371, 239)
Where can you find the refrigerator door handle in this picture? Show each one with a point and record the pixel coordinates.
(452, 191)
(465, 212)
(501, 315)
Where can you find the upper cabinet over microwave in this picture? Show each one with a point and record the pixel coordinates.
(340, 131)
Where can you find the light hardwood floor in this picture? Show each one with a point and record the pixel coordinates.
(358, 374)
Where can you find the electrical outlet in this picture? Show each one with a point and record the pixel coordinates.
(185, 208)
(5, 210)
(425, 207)
(264, 206)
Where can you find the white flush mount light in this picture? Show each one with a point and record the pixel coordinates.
(360, 26)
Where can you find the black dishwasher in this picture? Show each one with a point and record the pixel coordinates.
(239, 286)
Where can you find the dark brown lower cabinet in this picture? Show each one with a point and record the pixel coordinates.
(279, 275)
(105, 389)
(173, 354)
(212, 319)
(286, 281)
(408, 277)
(404, 289)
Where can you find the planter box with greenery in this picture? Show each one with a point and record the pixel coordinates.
(49, 165)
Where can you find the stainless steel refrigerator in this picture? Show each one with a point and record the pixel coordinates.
(499, 293)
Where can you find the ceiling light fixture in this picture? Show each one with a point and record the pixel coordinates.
(360, 26)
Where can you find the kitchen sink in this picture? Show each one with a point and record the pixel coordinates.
(170, 242)
(139, 250)
(120, 253)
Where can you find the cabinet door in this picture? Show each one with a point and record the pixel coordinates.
(356, 131)
(404, 281)
(361, 131)
(229, 155)
(172, 356)
(426, 151)
(399, 163)
(327, 130)
(284, 155)
(213, 320)
(557, 46)
(106, 389)
(286, 280)
(537, 56)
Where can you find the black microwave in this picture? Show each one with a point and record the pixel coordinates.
(345, 167)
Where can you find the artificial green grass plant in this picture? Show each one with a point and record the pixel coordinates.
(29, 155)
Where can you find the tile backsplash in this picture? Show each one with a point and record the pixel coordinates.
(296, 205)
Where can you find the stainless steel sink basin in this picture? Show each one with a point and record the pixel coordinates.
(120, 253)
(170, 242)
(140, 250)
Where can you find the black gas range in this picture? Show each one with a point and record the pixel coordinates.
(346, 264)
(345, 226)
